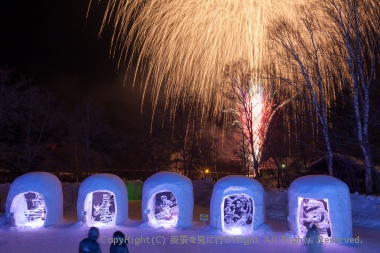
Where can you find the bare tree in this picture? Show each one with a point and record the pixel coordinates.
(158, 141)
(253, 113)
(302, 54)
(215, 140)
(7, 95)
(188, 137)
(332, 49)
(357, 33)
(8, 103)
(91, 139)
(38, 114)
(32, 118)
(29, 128)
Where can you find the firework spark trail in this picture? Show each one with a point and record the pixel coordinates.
(317, 39)
(256, 118)
(253, 119)
(185, 45)
(251, 114)
(257, 107)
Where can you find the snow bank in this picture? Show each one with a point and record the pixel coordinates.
(36, 200)
(321, 200)
(102, 201)
(237, 205)
(70, 196)
(365, 210)
(206, 182)
(167, 200)
(134, 188)
(276, 204)
(203, 191)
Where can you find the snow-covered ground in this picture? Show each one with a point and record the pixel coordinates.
(271, 237)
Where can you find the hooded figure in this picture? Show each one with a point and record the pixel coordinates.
(312, 241)
(119, 243)
(89, 245)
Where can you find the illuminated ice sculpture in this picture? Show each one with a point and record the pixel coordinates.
(321, 200)
(102, 201)
(167, 200)
(35, 200)
(237, 205)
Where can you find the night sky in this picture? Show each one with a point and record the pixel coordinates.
(53, 43)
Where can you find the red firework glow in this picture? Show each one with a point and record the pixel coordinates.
(260, 111)
(254, 111)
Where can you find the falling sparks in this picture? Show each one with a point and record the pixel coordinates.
(256, 114)
(183, 46)
(251, 114)
(253, 121)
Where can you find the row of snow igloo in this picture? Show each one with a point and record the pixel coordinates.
(237, 204)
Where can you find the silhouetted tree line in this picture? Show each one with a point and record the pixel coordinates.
(38, 133)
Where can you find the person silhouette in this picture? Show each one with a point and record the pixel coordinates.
(119, 243)
(90, 245)
(312, 243)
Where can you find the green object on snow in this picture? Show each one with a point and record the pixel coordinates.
(134, 188)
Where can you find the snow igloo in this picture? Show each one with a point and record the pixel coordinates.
(237, 205)
(321, 200)
(35, 200)
(167, 200)
(102, 201)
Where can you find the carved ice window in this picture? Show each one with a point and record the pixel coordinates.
(29, 210)
(100, 207)
(165, 209)
(314, 211)
(237, 213)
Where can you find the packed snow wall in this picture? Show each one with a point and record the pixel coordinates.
(321, 200)
(167, 200)
(237, 205)
(35, 200)
(102, 201)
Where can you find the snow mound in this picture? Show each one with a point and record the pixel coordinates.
(365, 210)
(237, 205)
(167, 200)
(104, 199)
(36, 197)
(321, 200)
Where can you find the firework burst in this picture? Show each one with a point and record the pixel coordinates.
(183, 46)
